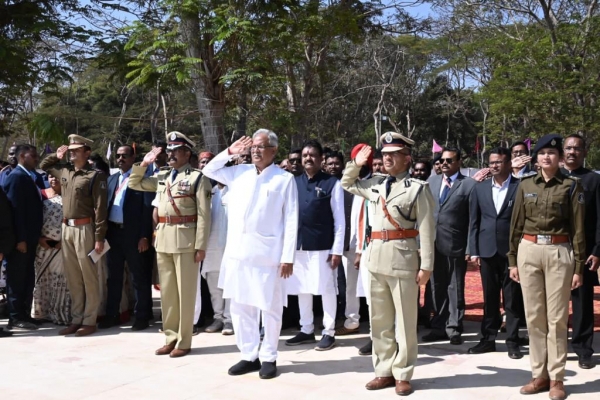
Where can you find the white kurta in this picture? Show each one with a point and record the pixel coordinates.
(261, 231)
(312, 272)
(218, 231)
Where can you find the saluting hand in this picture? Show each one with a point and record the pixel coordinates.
(61, 151)
(151, 156)
(481, 174)
(286, 270)
(363, 156)
(240, 145)
(520, 162)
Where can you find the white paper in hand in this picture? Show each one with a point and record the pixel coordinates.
(96, 256)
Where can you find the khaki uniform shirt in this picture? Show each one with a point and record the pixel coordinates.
(397, 257)
(178, 238)
(84, 192)
(556, 207)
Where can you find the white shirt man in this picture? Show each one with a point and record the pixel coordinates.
(261, 241)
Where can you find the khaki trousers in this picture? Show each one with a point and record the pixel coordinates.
(178, 275)
(394, 309)
(81, 273)
(546, 272)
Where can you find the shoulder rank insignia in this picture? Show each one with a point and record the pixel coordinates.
(407, 183)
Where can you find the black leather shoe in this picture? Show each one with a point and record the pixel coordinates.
(456, 340)
(140, 325)
(514, 353)
(244, 367)
(108, 322)
(367, 349)
(301, 338)
(326, 343)
(434, 337)
(484, 346)
(268, 370)
(21, 326)
(586, 363)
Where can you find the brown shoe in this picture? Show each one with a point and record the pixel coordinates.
(343, 331)
(536, 385)
(86, 330)
(381, 383)
(557, 391)
(69, 330)
(166, 349)
(179, 353)
(403, 388)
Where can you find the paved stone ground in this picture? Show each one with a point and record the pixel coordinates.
(120, 364)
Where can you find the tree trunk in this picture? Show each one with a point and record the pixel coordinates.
(205, 82)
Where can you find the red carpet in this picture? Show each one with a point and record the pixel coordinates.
(474, 297)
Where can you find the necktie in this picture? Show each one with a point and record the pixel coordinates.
(447, 184)
(388, 184)
(173, 175)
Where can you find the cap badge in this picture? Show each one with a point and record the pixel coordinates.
(553, 142)
(388, 138)
(173, 136)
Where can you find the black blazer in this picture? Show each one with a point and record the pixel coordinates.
(7, 235)
(452, 216)
(26, 204)
(490, 231)
(137, 210)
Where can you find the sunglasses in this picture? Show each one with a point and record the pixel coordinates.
(446, 160)
(122, 156)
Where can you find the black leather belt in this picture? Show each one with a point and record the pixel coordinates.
(120, 226)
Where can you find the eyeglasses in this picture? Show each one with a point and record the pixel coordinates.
(519, 152)
(294, 160)
(496, 163)
(259, 148)
(575, 149)
(122, 156)
(446, 160)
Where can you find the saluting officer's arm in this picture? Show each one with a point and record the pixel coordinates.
(52, 165)
(424, 208)
(203, 194)
(577, 227)
(517, 223)
(100, 194)
(138, 181)
(215, 169)
(351, 182)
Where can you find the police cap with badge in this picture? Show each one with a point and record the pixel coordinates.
(76, 141)
(176, 140)
(550, 141)
(393, 141)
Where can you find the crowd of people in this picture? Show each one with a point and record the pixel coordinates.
(262, 233)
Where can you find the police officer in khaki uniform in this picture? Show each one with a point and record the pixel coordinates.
(399, 205)
(547, 255)
(84, 226)
(183, 197)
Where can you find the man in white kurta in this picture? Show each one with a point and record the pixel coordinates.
(261, 239)
(321, 229)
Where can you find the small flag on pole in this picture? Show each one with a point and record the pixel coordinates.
(436, 147)
(528, 143)
(109, 151)
(47, 149)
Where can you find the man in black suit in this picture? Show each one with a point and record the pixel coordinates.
(491, 210)
(451, 191)
(583, 297)
(26, 204)
(7, 236)
(129, 235)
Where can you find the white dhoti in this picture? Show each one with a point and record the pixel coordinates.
(352, 301)
(246, 324)
(362, 286)
(313, 276)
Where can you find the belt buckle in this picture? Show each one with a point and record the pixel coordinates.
(70, 222)
(544, 239)
(386, 236)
